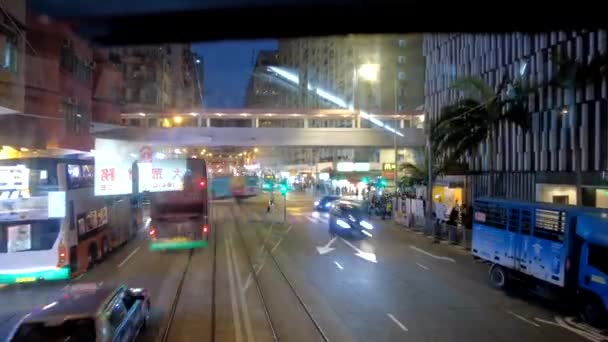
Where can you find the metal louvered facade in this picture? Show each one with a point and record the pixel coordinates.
(542, 157)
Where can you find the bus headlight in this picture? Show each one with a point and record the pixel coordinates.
(342, 224)
(328, 204)
(366, 225)
(316, 203)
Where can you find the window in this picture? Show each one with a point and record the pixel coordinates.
(70, 330)
(550, 224)
(598, 258)
(80, 176)
(401, 75)
(401, 107)
(514, 220)
(402, 43)
(10, 54)
(117, 314)
(490, 214)
(28, 236)
(526, 222)
(401, 59)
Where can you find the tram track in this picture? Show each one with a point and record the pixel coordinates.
(268, 253)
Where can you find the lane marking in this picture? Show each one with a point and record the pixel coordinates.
(79, 277)
(399, 324)
(276, 245)
(338, 265)
(312, 220)
(129, 257)
(369, 256)
(438, 257)
(560, 323)
(243, 301)
(523, 318)
(236, 314)
(422, 266)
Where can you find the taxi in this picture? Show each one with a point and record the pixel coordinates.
(87, 312)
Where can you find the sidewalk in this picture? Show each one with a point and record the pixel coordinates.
(456, 236)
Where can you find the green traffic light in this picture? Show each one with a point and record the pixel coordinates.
(365, 180)
(283, 189)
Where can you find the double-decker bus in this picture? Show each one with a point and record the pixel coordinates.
(179, 204)
(51, 224)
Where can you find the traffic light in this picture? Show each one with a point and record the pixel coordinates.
(365, 180)
(267, 185)
(283, 188)
(381, 182)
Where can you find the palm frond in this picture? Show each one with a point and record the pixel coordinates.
(474, 87)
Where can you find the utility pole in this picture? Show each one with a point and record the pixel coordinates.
(395, 176)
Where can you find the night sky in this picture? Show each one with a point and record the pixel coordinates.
(228, 66)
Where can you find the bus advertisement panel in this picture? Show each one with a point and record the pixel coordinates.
(221, 187)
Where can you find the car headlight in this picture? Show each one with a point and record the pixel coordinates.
(342, 224)
(328, 204)
(352, 218)
(366, 225)
(316, 203)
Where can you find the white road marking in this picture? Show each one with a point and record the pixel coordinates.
(523, 318)
(371, 257)
(236, 315)
(239, 284)
(397, 322)
(560, 323)
(338, 265)
(586, 327)
(79, 277)
(431, 254)
(128, 257)
(327, 248)
(311, 219)
(422, 266)
(276, 245)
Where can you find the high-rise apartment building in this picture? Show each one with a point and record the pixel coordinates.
(335, 64)
(538, 164)
(159, 79)
(264, 90)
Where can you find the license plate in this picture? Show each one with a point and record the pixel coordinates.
(180, 239)
(25, 279)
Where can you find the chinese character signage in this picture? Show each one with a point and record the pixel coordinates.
(162, 175)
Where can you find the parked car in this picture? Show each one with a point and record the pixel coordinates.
(87, 312)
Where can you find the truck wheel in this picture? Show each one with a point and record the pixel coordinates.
(593, 313)
(498, 277)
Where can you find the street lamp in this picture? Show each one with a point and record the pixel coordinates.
(369, 71)
(255, 150)
(177, 119)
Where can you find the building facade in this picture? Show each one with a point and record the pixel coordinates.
(263, 90)
(334, 64)
(538, 164)
(160, 79)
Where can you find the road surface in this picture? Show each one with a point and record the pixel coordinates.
(394, 286)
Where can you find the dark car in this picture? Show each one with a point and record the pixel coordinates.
(87, 312)
(324, 203)
(349, 218)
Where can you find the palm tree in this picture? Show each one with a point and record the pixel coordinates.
(570, 75)
(473, 119)
(412, 174)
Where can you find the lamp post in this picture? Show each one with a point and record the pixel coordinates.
(370, 72)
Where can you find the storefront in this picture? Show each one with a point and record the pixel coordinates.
(447, 193)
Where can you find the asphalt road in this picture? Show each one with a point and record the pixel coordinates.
(395, 286)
